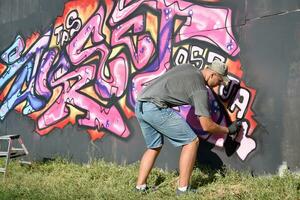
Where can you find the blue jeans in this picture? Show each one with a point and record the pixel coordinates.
(159, 122)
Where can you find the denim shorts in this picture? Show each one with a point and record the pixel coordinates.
(158, 122)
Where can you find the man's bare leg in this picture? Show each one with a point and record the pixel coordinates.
(146, 165)
(187, 161)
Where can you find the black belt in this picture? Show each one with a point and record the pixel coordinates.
(142, 102)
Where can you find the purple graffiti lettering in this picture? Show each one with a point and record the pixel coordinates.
(145, 46)
(41, 87)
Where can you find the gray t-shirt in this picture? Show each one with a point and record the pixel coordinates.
(181, 85)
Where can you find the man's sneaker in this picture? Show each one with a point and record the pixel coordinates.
(188, 191)
(144, 190)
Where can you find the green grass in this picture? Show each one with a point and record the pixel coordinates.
(61, 179)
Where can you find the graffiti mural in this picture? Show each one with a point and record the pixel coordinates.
(89, 66)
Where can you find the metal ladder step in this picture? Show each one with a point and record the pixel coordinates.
(9, 137)
(3, 153)
(17, 155)
(11, 151)
(17, 149)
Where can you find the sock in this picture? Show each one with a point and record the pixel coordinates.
(141, 187)
(183, 189)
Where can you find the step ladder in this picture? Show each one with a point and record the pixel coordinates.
(11, 146)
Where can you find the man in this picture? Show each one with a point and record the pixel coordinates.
(181, 85)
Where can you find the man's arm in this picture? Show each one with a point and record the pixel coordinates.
(210, 126)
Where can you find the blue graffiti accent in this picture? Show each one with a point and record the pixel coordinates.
(14, 52)
(13, 97)
(16, 95)
(23, 68)
(167, 29)
(103, 88)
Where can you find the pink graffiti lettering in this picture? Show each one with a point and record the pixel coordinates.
(96, 116)
(103, 59)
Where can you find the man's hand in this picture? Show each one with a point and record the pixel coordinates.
(235, 127)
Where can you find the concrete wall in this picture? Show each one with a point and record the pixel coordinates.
(70, 73)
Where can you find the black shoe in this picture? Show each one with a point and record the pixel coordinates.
(188, 191)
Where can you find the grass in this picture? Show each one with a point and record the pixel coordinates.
(61, 180)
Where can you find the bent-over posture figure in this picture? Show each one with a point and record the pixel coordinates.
(181, 85)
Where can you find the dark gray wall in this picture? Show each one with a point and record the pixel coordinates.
(268, 33)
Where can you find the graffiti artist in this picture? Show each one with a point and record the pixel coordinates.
(181, 85)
